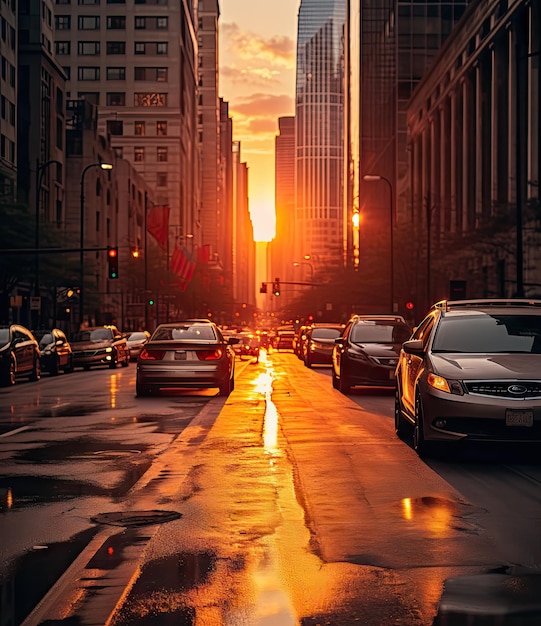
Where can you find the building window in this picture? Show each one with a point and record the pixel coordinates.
(115, 99)
(116, 1)
(58, 2)
(161, 48)
(162, 3)
(91, 96)
(116, 22)
(119, 152)
(139, 129)
(151, 23)
(161, 179)
(62, 22)
(138, 155)
(89, 2)
(88, 73)
(116, 47)
(88, 48)
(115, 127)
(155, 74)
(150, 99)
(67, 71)
(116, 73)
(62, 48)
(161, 155)
(161, 129)
(89, 22)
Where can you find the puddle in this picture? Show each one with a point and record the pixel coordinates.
(30, 577)
(75, 449)
(113, 551)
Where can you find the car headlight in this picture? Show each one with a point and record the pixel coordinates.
(108, 349)
(358, 355)
(442, 384)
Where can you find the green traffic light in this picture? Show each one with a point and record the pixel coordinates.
(151, 302)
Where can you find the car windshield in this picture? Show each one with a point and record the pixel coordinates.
(137, 337)
(380, 332)
(325, 333)
(482, 334)
(98, 334)
(188, 332)
(45, 340)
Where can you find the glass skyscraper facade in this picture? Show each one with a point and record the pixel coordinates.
(319, 132)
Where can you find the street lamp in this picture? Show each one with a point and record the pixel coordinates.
(39, 178)
(373, 178)
(103, 166)
(298, 263)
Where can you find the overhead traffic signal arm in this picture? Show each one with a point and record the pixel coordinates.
(277, 283)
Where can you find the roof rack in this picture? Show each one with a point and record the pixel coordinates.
(446, 305)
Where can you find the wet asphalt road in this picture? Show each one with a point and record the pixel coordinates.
(286, 504)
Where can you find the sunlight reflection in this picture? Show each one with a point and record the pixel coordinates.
(406, 508)
(435, 514)
(113, 389)
(9, 498)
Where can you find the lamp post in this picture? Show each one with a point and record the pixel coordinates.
(299, 263)
(373, 178)
(103, 166)
(39, 178)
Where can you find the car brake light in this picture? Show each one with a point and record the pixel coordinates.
(209, 355)
(151, 355)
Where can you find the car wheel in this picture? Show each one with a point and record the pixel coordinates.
(36, 370)
(8, 376)
(86, 367)
(307, 362)
(420, 445)
(399, 421)
(112, 364)
(55, 368)
(334, 379)
(226, 387)
(69, 367)
(343, 383)
(141, 390)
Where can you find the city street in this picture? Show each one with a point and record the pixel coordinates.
(286, 504)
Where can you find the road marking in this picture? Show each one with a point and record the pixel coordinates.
(14, 432)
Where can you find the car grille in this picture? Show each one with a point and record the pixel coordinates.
(482, 428)
(520, 390)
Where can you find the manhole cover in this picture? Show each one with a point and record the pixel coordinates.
(136, 518)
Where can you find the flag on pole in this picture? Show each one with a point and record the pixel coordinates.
(158, 223)
(203, 254)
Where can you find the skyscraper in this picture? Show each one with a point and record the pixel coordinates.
(319, 145)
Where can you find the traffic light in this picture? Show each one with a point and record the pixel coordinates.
(112, 260)
(151, 302)
(263, 288)
(276, 287)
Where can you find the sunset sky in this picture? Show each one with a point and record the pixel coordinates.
(257, 77)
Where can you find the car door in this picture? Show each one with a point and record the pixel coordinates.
(24, 350)
(62, 349)
(339, 348)
(411, 365)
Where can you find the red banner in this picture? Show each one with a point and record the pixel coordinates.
(158, 223)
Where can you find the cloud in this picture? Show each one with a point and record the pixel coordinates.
(264, 105)
(251, 76)
(278, 50)
(263, 126)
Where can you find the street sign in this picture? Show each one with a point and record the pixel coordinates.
(35, 303)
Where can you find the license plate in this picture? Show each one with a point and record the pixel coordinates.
(180, 355)
(515, 417)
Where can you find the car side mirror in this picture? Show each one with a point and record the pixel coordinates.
(233, 340)
(339, 340)
(413, 346)
(59, 342)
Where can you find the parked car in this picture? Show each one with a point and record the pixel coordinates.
(472, 372)
(247, 347)
(284, 339)
(186, 354)
(19, 354)
(299, 339)
(135, 341)
(366, 354)
(99, 345)
(56, 352)
(318, 346)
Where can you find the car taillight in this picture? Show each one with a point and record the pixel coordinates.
(210, 355)
(151, 355)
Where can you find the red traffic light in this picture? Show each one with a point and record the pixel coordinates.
(409, 306)
(112, 252)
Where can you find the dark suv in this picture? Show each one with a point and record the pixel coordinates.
(99, 345)
(366, 353)
(19, 354)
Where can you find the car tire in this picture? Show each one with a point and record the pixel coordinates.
(335, 383)
(86, 367)
(36, 370)
(343, 383)
(69, 367)
(112, 364)
(308, 362)
(400, 426)
(8, 376)
(141, 390)
(420, 445)
(55, 369)
(226, 387)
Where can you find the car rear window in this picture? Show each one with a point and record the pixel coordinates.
(325, 333)
(482, 334)
(378, 332)
(185, 333)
